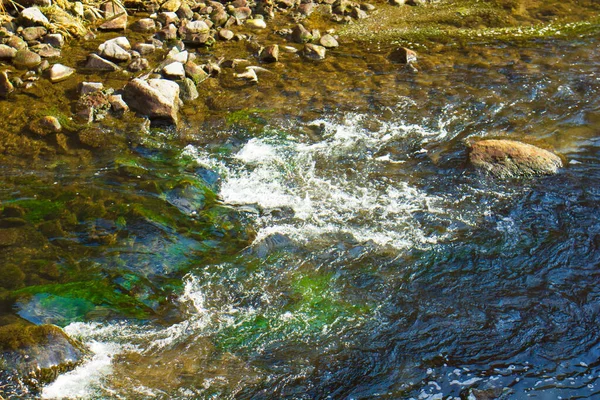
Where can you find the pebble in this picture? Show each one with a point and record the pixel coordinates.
(59, 72)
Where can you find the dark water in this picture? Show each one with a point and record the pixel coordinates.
(383, 266)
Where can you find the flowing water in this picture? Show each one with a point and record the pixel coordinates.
(355, 253)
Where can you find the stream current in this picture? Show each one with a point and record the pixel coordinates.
(384, 266)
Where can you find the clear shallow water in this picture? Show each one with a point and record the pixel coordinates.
(383, 265)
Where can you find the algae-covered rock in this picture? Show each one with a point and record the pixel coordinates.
(45, 125)
(509, 158)
(37, 354)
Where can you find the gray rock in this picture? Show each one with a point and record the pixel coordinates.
(188, 90)
(90, 87)
(328, 42)
(97, 63)
(314, 51)
(176, 55)
(33, 33)
(45, 126)
(26, 59)
(144, 48)
(144, 25)
(7, 52)
(174, 70)
(168, 33)
(219, 17)
(270, 54)
(55, 40)
(6, 87)
(59, 72)
(115, 49)
(156, 98)
(511, 159)
(35, 16)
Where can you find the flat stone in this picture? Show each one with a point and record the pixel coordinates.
(45, 126)
(7, 52)
(34, 15)
(328, 41)
(97, 63)
(174, 70)
(314, 51)
(59, 72)
(27, 59)
(241, 13)
(156, 98)
(256, 23)
(33, 33)
(90, 87)
(510, 158)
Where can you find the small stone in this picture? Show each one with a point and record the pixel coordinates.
(55, 40)
(116, 49)
(306, 8)
(367, 7)
(139, 64)
(33, 33)
(270, 54)
(176, 55)
(248, 75)
(89, 87)
(78, 9)
(117, 104)
(97, 63)
(328, 41)
(185, 12)
(170, 5)
(357, 13)
(144, 48)
(195, 72)
(168, 33)
(116, 16)
(241, 13)
(45, 125)
(256, 23)
(166, 18)
(397, 2)
(59, 72)
(144, 25)
(26, 59)
(314, 51)
(225, 34)
(34, 15)
(300, 34)
(403, 55)
(47, 51)
(156, 98)
(7, 52)
(5, 86)
(174, 70)
(187, 90)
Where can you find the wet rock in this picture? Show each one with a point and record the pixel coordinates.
(270, 54)
(97, 63)
(139, 64)
(144, 25)
(256, 23)
(37, 354)
(248, 75)
(509, 158)
(33, 33)
(55, 40)
(46, 51)
(174, 70)
(300, 34)
(225, 34)
(6, 87)
(403, 55)
(92, 136)
(328, 41)
(90, 87)
(7, 52)
(26, 59)
(34, 16)
(170, 5)
(195, 72)
(314, 51)
(117, 104)
(144, 48)
(156, 98)
(59, 72)
(116, 49)
(188, 90)
(45, 126)
(116, 16)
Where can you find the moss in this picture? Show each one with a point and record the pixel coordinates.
(39, 210)
(11, 277)
(20, 335)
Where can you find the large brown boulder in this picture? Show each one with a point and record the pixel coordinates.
(156, 98)
(510, 158)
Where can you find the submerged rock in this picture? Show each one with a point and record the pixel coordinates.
(403, 55)
(509, 158)
(270, 54)
(314, 51)
(37, 354)
(156, 98)
(45, 125)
